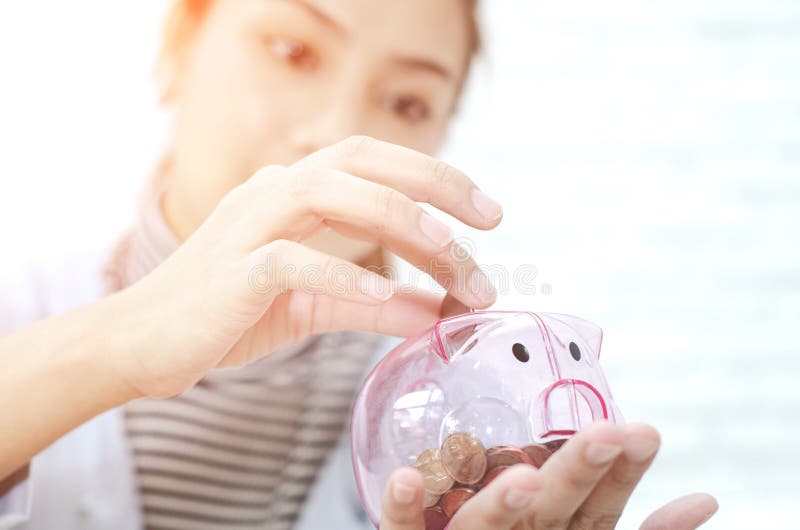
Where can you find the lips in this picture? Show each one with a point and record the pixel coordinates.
(568, 406)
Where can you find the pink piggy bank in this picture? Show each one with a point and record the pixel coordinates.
(508, 379)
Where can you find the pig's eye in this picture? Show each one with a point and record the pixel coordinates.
(520, 352)
(575, 351)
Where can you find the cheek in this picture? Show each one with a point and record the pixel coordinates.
(217, 100)
(228, 113)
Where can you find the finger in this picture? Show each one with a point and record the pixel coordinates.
(401, 508)
(452, 268)
(573, 472)
(283, 265)
(358, 208)
(405, 314)
(685, 513)
(603, 507)
(451, 306)
(303, 314)
(299, 198)
(419, 176)
(502, 503)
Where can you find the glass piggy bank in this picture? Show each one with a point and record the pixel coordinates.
(471, 396)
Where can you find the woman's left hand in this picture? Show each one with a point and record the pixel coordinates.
(584, 485)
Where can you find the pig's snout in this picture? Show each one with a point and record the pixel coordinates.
(567, 406)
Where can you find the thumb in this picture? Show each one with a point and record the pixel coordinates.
(401, 508)
(685, 513)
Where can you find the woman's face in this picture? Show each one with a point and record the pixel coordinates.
(270, 81)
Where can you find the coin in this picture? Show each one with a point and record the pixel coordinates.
(454, 499)
(435, 519)
(430, 499)
(505, 455)
(537, 453)
(555, 445)
(435, 477)
(464, 457)
(491, 475)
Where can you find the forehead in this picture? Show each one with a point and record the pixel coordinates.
(433, 30)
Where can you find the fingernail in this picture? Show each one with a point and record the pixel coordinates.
(452, 306)
(435, 230)
(402, 493)
(482, 287)
(600, 453)
(486, 206)
(641, 449)
(377, 287)
(517, 498)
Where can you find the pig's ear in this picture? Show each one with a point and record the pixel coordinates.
(450, 334)
(590, 332)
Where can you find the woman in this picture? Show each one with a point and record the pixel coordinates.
(258, 242)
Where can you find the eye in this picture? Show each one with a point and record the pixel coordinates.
(407, 107)
(293, 52)
(575, 351)
(520, 352)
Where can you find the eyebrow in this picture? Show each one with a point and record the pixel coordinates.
(415, 63)
(424, 64)
(319, 14)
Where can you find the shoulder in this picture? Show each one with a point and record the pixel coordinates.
(33, 287)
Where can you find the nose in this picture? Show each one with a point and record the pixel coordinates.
(339, 112)
(567, 406)
(325, 128)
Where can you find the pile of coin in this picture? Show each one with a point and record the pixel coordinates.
(462, 466)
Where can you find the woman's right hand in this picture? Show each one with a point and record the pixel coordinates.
(244, 285)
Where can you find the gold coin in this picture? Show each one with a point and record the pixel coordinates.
(464, 457)
(538, 453)
(454, 499)
(435, 478)
(430, 499)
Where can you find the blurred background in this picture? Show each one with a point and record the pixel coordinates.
(647, 154)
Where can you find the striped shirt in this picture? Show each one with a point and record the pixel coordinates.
(242, 448)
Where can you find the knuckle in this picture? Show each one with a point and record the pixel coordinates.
(624, 480)
(494, 519)
(267, 174)
(327, 266)
(276, 264)
(300, 184)
(354, 146)
(396, 519)
(279, 248)
(444, 174)
(586, 519)
(394, 516)
(549, 523)
(582, 520)
(265, 177)
(606, 522)
(579, 483)
(578, 476)
(386, 200)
